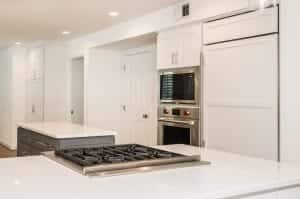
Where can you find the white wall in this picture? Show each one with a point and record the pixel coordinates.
(290, 80)
(5, 97)
(13, 90)
(57, 56)
(103, 80)
(153, 22)
(19, 67)
(157, 21)
(12, 93)
(108, 88)
(56, 81)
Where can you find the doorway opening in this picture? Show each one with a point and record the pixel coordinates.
(77, 90)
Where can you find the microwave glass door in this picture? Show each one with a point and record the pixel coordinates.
(179, 87)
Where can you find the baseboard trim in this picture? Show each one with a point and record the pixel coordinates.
(12, 148)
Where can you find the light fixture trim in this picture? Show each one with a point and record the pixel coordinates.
(113, 13)
(65, 32)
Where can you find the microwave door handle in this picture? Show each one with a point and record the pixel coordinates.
(173, 58)
(178, 121)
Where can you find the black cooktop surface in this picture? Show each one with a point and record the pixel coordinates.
(114, 154)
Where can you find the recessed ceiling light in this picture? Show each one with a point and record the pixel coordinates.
(65, 32)
(113, 14)
(18, 43)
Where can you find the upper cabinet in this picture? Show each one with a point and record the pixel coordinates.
(240, 75)
(167, 47)
(242, 26)
(179, 47)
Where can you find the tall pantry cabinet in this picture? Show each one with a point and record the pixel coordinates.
(21, 98)
(35, 85)
(13, 93)
(241, 84)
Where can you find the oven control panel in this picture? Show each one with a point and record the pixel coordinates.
(179, 112)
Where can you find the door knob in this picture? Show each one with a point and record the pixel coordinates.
(145, 116)
(72, 112)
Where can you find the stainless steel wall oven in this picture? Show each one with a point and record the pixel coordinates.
(179, 125)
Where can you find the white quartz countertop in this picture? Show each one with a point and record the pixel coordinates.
(63, 130)
(229, 175)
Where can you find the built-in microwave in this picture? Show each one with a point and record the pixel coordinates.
(179, 86)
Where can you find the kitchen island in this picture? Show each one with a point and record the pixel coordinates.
(228, 176)
(37, 137)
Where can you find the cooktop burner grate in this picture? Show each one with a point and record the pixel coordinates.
(108, 155)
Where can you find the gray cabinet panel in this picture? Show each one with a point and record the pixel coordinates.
(23, 149)
(24, 136)
(32, 143)
(43, 142)
(86, 142)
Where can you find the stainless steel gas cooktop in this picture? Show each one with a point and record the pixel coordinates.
(121, 159)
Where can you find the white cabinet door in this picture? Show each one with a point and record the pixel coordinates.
(211, 8)
(242, 26)
(190, 47)
(241, 97)
(139, 87)
(167, 47)
(180, 47)
(102, 90)
(35, 85)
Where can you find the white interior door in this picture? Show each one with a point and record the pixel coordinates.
(77, 91)
(139, 87)
(241, 97)
(35, 85)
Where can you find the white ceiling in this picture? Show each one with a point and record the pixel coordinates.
(30, 20)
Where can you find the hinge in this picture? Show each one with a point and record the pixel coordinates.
(124, 107)
(124, 68)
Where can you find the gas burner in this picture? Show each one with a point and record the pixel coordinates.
(121, 159)
(114, 155)
(114, 159)
(162, 155)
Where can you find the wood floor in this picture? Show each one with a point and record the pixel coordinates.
(6, 153)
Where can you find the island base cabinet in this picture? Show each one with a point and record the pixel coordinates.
(32, 143)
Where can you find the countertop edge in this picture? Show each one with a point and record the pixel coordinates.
(103, 133)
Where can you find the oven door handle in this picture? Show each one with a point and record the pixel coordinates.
(187, 122)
